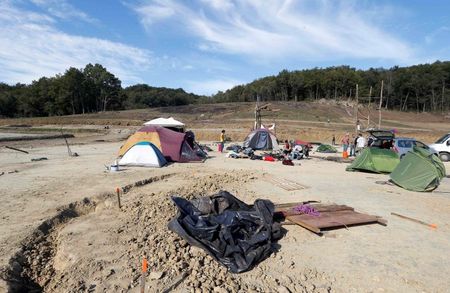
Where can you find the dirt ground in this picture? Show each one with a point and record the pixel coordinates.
(61, 229)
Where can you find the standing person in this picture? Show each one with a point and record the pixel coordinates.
(355, 143)
(222, 141)
(333, 140)
(360, 143)
(352, 145)
(345, 142)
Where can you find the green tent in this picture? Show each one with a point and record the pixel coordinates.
(375, 160)
(419, 170)
(326, 148)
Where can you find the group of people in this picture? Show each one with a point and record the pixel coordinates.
(353, 145)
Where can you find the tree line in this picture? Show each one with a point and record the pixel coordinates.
(421, 87)
(87, 90)
(415, 88)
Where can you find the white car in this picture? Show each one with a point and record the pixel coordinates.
(442, 146)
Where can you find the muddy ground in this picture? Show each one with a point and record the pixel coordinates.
(62, 230)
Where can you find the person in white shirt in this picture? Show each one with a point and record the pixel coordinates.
(360, 143)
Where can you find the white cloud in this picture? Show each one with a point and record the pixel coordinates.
(63, 10)
(209, 87)
(31, 47)
(275, 29)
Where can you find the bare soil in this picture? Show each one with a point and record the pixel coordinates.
(62, 231)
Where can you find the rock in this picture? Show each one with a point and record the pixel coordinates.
(220, 290)
(195, 251)
(156, 275)
(282, 289)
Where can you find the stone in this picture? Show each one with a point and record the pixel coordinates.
(156, 275)
(220, 290)
(282, 289)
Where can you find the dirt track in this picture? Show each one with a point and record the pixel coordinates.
(54, 239)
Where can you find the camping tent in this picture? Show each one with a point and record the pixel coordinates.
(303, 143)
(375, 160)
(261, 139)
(326, 148)
(169, 123)
(175, 146)
(143, 154)
(419, 170)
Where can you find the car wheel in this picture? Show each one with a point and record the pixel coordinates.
(445, 157)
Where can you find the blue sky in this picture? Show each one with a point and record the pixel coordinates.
(206, 46)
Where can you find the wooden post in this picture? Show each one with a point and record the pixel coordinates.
(14, 149)
(69, 151)
(381, 103)
(356, 107)
(144, 271)
(118, 197)
(434, 226)
(368, 115)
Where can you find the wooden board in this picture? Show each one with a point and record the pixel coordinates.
(285, 184)
(333, 219)
(330, 216)
(319, 208)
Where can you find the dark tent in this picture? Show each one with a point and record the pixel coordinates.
(237, 235)
(419, 170)
(375, 160)
(261, 139)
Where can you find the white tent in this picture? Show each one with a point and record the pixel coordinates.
(143, 154)
(166, 122)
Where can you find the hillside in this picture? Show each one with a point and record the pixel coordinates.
(307, 120)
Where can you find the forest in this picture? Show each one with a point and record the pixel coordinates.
(79, 91)
(417, 88)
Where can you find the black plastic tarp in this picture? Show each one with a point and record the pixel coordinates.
(237, 235)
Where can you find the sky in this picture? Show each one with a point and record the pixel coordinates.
(206, 46)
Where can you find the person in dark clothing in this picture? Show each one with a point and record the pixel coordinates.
(287, 147)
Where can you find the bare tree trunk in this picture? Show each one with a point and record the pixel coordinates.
(433, 100)
(406, 100)
(389, 91)
(73, 105)
(105, 103)
(356, 109)
(381, 104)
(417, 102)
(442, 97)
(368, 114)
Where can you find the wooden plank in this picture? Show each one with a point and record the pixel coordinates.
(285, 184)
(318, 208)
(283, 206)
(333, 219)
(304, 225)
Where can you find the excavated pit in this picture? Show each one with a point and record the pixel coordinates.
(92, 246)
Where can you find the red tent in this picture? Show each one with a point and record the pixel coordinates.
(175, 146)
(302, 142)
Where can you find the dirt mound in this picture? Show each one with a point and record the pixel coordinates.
(101, 248)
